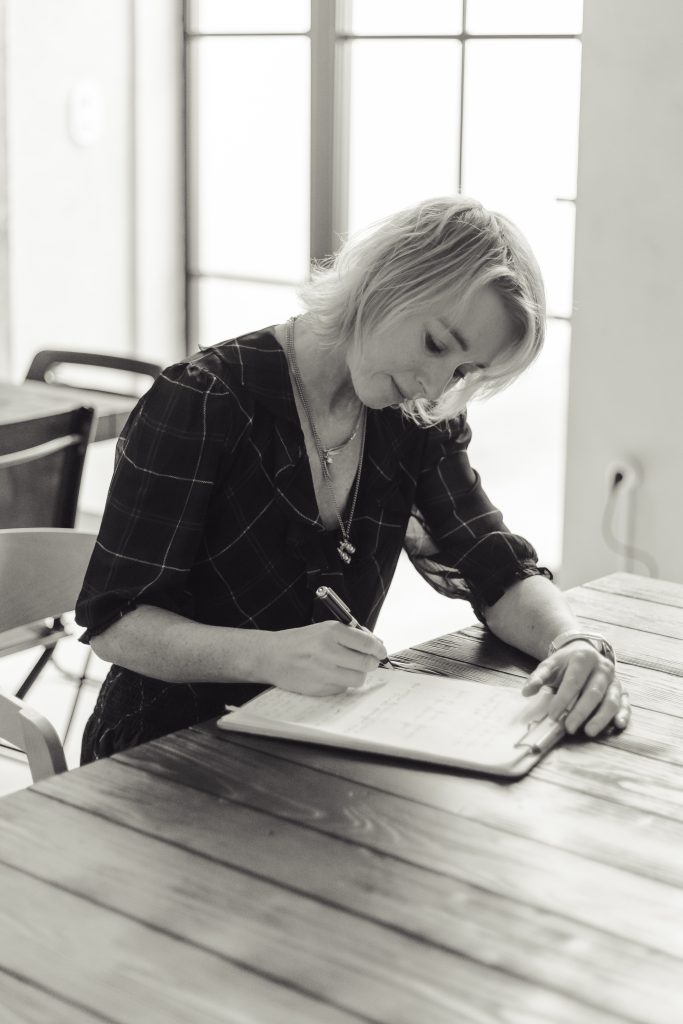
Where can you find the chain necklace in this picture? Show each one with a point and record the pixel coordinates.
(345, 549)
(327, 453)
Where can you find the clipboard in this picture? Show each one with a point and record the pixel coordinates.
(441, 720)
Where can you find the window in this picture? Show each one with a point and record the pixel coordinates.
(478, 96)
(248, 131)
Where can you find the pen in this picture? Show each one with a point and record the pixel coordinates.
(343, 613)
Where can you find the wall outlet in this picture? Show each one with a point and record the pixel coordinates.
(624, 474)
(623, 477)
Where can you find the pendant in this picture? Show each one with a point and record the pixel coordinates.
(345, 549)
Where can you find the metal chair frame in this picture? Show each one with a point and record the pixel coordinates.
(45, 361)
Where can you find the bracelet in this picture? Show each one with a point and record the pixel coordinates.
(601, 644)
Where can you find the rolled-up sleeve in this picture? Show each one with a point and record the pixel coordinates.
(168, 458)
(456, 537)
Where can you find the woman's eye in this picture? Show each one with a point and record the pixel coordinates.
(431, 345)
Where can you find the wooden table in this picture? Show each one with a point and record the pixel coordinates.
(207, 877)
(32, 399)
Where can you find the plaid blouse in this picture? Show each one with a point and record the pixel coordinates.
(212, 514)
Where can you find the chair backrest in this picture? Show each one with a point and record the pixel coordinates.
(41, 573)
(46, 363)
(41, 465)
(27, 729)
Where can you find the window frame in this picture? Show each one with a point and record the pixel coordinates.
(329, 36)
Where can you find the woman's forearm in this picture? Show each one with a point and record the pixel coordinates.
(158, 643)
(530, 615)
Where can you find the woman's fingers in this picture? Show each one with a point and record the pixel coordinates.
(587, 693)
(326, 658)
(338, 680)
(614, 714)
(600, 696)
(361, 641)
(543, 675)
(623, 715)
(585, 680)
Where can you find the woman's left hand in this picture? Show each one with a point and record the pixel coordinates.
(585, 682)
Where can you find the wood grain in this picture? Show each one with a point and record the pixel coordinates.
(503, 863)
(107, 961)
(452, 915)
(633, 646)
(563, 817)
(643, 587)
(475, 646)
(447, 666)
(246, 920)
(25, 1002)
(642, 783)
(631, 612)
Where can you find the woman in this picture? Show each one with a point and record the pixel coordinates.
(308, 454)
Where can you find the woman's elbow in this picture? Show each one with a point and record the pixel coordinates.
(102, 646)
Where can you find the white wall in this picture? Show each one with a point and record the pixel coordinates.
(626, 374)
(70, 228)
(95, 231)
(4, 289)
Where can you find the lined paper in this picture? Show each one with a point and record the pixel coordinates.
(439, 717)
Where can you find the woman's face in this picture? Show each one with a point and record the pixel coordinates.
(418, 357)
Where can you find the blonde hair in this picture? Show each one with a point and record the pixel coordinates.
(449, 247)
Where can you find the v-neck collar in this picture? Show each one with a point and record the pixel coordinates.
(261, 363)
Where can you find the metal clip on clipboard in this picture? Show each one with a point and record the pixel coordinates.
(541, 734)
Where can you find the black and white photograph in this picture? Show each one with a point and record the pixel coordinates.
(341, 584)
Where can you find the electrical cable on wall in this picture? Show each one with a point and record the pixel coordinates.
(624, 549)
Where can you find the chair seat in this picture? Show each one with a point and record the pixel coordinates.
(36, 634)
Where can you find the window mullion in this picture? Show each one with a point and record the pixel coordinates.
(323, 150)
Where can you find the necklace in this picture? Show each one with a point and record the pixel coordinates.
(327, 453)
(345, 549)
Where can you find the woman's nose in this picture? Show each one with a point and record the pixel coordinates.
(435, 380)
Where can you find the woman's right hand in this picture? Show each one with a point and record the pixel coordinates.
(321, 659)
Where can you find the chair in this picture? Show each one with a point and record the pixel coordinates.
(41, 464)
(31, 732)
(46, 363)
(46, 366)
(41, 573)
